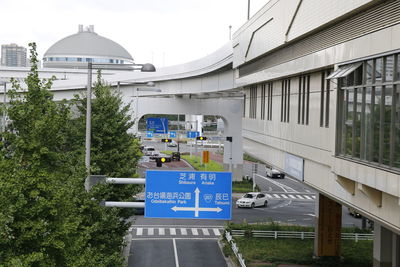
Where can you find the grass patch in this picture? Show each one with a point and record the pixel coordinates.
(297, 251)
(195, 161)
(258, 251)
(243, 186)
(252, 159)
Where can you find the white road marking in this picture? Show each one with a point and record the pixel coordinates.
(194, 231)
(292, 196)
(307, 197)
(299, 196)
(139, 231)
(161, 231)
(175, 253)
(172, 231)
(216, 232)
(284, 196)
(309, 214)
(150, 231)
(313, 197)
(277, 196)
(183, 231)
(268, 195)
(205, 231)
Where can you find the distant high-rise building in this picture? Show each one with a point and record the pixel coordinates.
(13, 55)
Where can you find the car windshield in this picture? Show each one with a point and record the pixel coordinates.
(150, 149)
(248, 196)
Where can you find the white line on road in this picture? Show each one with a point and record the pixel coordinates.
(139, 231)
(299, 196)
(175, 253)
(292, 196)
(284, 196)
(150, 231)
(310, 214)
(277, 196)
(216, 232)
(268, 195)
(183, 231)
(313, 197)
(161, 231)
(307, 197)
(291, 220)
(205, 231)
(172, 231)
(194, 231)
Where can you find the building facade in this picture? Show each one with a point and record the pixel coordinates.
(322, 102)
(13, 55)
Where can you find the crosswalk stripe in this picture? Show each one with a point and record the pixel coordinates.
(291, 196)
(150, 231)
(205, 231)
(268, 195)
(183, 231)
(161, 231)
(284, 196)
(299, 196)
(139, 231)
(307, 197)
(313, 197)
(194, 231)
(172, 231)
(275, 195)
(216, 232)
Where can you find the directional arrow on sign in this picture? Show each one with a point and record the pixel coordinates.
(196, 207)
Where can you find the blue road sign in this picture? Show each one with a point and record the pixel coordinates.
(157, 125)
(149, 134)
(192, 134)
(188, 194)
(172, 134)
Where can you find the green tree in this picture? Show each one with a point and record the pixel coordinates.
(114, 151)
(46, 217)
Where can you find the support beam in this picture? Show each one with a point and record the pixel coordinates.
(328, 227)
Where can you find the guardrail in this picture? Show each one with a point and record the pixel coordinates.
(235, 249)
(298, 235)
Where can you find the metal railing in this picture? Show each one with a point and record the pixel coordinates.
(297, 235)
(235, 249)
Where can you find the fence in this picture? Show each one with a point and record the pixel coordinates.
(235, 249)
(297, 235)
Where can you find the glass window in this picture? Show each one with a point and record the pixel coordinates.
(387, 109)
(398, 68)
(367, 141)
(357, 121)
(396, 135)
(348, 122)
(389, 68)
(376, 122)
(369, 71)
(378, 69)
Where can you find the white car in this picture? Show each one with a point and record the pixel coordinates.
(252, 200)
(273, 173)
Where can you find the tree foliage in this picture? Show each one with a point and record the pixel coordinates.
(46, 216)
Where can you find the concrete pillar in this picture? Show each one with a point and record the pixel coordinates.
(328, 227)
(386, 247)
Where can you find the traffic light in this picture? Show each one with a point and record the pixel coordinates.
(201, 138)
(161, 160)
(166, 140)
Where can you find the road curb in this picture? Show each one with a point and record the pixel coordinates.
(127, 248)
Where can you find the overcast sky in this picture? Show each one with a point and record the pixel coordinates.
(163, 32)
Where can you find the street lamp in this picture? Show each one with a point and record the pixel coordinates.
(141, 67)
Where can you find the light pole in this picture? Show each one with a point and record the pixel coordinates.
(142, 67)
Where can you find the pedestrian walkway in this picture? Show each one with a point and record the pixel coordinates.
(284, 196)
(175, 232)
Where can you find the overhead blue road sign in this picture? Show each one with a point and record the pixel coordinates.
(188, 194)
(192, 134)
(157, 125)
(172, 134)
(149, 134)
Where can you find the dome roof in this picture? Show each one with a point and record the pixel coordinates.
(88, 43)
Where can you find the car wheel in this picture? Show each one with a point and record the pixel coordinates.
(253, 205)
(265, 203)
